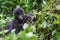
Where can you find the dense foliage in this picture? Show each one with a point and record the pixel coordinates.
(46, 27)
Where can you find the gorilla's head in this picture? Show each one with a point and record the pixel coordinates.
(18, 13)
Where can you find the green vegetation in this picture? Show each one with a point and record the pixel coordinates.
(46, 27)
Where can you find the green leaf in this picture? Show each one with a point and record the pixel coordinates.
(56, 22)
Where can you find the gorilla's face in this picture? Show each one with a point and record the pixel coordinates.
(18, 13)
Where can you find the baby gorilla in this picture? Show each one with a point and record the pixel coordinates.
(19, 19)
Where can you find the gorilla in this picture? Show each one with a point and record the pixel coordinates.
(20, 17)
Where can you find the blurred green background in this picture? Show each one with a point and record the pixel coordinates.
(46, 27)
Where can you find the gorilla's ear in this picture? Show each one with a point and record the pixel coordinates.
(18, 11)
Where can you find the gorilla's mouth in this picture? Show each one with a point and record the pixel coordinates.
(20, 17)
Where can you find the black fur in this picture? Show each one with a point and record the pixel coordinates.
(19, 19)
